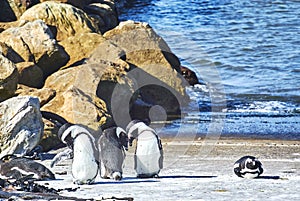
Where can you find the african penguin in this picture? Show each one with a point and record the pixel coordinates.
(148, 157)
(66, 138)
(112, 145)
(248, 167)
(18, 167)
(81, 141)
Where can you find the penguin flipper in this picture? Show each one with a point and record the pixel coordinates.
(66, 154)
(135, 161)
(161, 159)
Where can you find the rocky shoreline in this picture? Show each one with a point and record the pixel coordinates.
(74, 61)
(84, 66)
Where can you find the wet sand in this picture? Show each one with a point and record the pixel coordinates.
(199, 170)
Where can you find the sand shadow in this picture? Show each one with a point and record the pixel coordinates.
(127, 180)
(186, 177)
(268, 177)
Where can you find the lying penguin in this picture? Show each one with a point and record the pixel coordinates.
(112, 145)
(19, 167)
(82, 145)
(248, 167)
(148, 157)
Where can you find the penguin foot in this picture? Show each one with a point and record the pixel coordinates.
(117, 176)
(147, 176)
(79, 182)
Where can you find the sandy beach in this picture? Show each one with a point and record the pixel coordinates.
(199, 170)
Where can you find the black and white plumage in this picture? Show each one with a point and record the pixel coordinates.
(112, 145)
(82, 144)
(248, 167)
(18, 168)
(66, 138)
(148, 157)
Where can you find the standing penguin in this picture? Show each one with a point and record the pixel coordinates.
(112, 145)
(248, 167)
(148, 158)
(81, 141)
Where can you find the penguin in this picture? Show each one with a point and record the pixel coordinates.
(81, 142)
(248, 167)
(20, 167)
(148, 157)
(112, 145)
(66, 138)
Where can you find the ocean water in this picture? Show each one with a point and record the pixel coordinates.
(246, 54)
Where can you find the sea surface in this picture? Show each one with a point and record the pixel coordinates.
(246, 55)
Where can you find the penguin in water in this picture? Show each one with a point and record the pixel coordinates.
(82, 144)
(148, 157)
(248, 167)
(112, 145)
(20, 167)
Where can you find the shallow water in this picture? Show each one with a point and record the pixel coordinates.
(246, 52)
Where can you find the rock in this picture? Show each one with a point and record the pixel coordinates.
(77, 3)
(65, 20)
(189, 75)
(8, 78)
(42, 50)
(10, 53)
(11, 10)
(104, 14)
(44, 95)
(50, 139)
(75, 98)
(7, 13)
(30, 74)
(142, 45)
(21, 125)
(81, 46)
(155, 68)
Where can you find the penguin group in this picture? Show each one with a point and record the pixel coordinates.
(106, 155)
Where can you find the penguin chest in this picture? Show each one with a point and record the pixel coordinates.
(147, 155)
(84, 165)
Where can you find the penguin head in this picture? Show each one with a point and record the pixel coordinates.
(64, 134)
(132, 129)
(122, 137)
(252, 163)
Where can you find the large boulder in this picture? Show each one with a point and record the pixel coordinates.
(35, 43)
(12, 10)
(8, 78)
(81, 46)
(154, 67)
(75, 98)
(77, 3)
(104, 14)
(30, 74)
(65, 20)
(21, 125)
(10, 53)
(44, 95)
